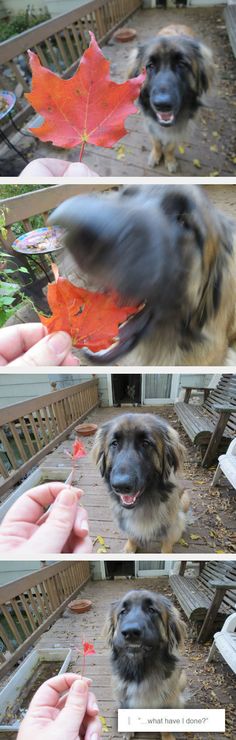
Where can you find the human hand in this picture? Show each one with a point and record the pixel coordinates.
(56, 715)
(52, 167)
(65, 529)
(29, 345)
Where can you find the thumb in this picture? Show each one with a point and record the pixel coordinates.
(58, 526)
(71, 716)
(51, 350)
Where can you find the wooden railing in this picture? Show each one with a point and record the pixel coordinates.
(31, 429)
(60, 42)
(29, 605)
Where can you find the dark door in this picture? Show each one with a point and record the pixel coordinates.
(126, 389)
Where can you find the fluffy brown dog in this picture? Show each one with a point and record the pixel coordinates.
(145, 634)
(139, 456)
(179, 69)
(169, 248)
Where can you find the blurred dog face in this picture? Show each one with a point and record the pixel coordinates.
(136, 454)
(144, 623)
(163, 247)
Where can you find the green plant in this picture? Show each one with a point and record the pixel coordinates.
(9, 290)
(23, 20)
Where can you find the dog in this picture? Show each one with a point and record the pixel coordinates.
(145, 634)
(139, 455)
(167, 249)
(179, 70)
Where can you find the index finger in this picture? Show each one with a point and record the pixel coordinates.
(16, 340)
(31, 505)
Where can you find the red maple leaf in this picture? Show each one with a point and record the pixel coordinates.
(89, 107)
(88, 648)
(91, 319)
(78, 450)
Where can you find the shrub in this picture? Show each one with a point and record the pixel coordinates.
(22, 21)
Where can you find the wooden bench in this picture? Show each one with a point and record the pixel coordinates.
(208, 598)
(225, 642)
(212, 424)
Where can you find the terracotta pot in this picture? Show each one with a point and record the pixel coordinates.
(125, 34)
(80, 606)
(86, 429)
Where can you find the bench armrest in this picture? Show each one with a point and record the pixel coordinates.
(223, 407)
(223, 584)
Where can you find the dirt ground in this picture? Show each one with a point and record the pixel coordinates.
(212, 140)
(212, 516)
(209, 686)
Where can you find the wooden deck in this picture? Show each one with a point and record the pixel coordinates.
(209, 686)
(212, 525)
(212, 141)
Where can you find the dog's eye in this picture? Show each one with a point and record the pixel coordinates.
(181, 62)
(114, 443)
(123, 610)
(146, 443)
(150, 66)
(184, 221)
(152, 609)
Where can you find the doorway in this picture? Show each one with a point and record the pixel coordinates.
(126, 389)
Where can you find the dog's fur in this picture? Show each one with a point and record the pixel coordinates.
(139, 456)
(166, 246)
(145, 633)
(179, 69)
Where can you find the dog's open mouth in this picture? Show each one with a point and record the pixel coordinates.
(130, 333)
(129, 500)
(165, 118)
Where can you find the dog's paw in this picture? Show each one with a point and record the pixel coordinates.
(130, 546)
(154, 158)
(172, 166)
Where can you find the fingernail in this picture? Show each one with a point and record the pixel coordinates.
(84, 527)
(59, 342)
(94, 736)
(67, 497)
(95, 707)
(80, 686)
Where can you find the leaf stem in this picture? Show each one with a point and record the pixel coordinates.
(81, 151)
(83, 665)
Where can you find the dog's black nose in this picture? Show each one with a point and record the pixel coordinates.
(131, 631)
(162, 102)
(123, 483)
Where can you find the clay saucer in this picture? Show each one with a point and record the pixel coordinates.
(80, 606)
(86, 429)
(125, 34)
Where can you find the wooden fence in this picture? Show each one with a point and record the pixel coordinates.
(60, 42)
(31, 429)
(29, 605)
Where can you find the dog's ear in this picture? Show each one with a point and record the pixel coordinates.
(176, 630)
(99, 448)
(173, 453)
(110, 623)
(135, 62)
(206, 68)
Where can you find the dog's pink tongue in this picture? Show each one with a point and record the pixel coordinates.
(128, 499)
(165, 116)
